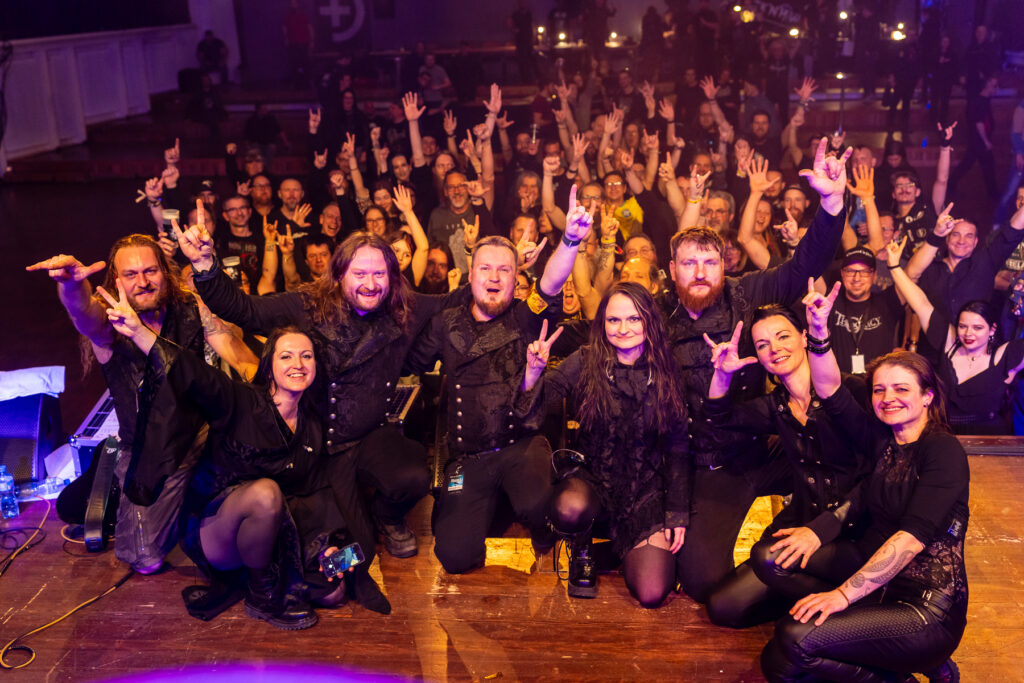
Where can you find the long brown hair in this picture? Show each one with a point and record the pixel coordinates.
(175, 286)
(599, 358)
(927, 379)
(324, 296)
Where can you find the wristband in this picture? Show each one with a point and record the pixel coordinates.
(935, 240)
(693, 201)
(840, 589)
(894, 267)
(570, 243)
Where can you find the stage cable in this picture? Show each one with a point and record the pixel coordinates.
(12, 646)
(9, 560)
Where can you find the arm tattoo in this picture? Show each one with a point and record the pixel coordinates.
(602, 259)
(212, 325)
(882, 567)
(895, 569)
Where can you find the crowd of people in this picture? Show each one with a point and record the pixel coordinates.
(720, 306)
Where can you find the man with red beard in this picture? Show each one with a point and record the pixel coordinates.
(363, 318)
(482, 346)
(144, 534)
(731, 472)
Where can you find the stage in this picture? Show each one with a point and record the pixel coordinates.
(510, 620)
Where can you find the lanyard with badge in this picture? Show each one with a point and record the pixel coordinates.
(857, 366)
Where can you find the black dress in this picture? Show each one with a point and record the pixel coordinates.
(976, 405)
(249, 440)
(640, 475)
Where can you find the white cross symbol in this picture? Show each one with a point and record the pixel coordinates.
(335, 11)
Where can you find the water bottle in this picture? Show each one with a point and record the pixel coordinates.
(8, 497)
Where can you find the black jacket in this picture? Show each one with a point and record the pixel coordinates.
(785, 284)
(359, 362)
(484, 363)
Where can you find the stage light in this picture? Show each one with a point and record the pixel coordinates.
(747, 16)
(900, 26)
(737, 8)
(561, 36)
(898, 35)
(614, 35)
(840, 75)
(843, 15)
(795, 32)
(540, 29)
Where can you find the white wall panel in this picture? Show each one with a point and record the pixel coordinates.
(31, 126)
(102, 79)
(67, 99)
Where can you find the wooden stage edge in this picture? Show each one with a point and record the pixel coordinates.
(510, 620)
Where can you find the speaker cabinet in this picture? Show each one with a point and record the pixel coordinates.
(30, 429)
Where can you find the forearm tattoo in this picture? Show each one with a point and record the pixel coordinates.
(882, 567)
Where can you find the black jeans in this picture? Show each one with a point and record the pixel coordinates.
(873, 640)
(394, 466)
(522, 471)
(720, 501)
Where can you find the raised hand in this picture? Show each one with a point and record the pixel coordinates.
(301, 212)
(562, 91)
(450, 123)
(121, 315)
(609, 223)
(503, 122)
(529, 252)
(320, 159)
(551, 165)
(348, 148)
(578, 221)
(539, 351)
(697, 183)
(410, 103)
(894, 251)
(337, 180)
(154, 190)
(613, 122)
(836, 141)
(314, 121)
(666, 171)
(650, 142)
(169, 176)
(819, 307)
(947, 133)
(725, 357)
(66, 268)
(285, 242)
(828, 177)
(196, 242)
(806, 89)
(231, 149)
(403, 200)
(945, 223)
(244, 188)
(470, 231)
(667, 111)
(269, 231)
(626, 158)
(172, 155)
(579, 146)
(864, 176)
(789, 230)
(475, 188)
(454, 276)
(709, 87)
(167, 245)
(493, 105)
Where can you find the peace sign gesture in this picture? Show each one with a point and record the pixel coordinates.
(578, 220)
(725, 357)
(125, 320)
(537, 354)
(818, 308)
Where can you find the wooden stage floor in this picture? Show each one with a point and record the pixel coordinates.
(510, 620)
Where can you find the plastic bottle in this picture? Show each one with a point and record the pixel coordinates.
(8, 497)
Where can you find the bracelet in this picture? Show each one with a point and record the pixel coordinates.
(814, 340)
(840, 589)
(270, 248)
(894, 267)
(693, 201)
(570, 243)
(935, 240)
(819, 347)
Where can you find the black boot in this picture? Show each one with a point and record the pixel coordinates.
(366, 592)
(582, 570)
(265, 599)
(949, 672)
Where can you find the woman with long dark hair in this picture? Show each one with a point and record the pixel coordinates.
(257, 501)
(905, 609)
(632, 468)
(821, 467)
(974, 368)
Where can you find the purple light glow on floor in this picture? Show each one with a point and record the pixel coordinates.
(242, 672)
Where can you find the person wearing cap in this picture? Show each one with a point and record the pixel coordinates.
(864, 324)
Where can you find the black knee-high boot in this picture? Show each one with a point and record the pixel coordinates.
(266, 599)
